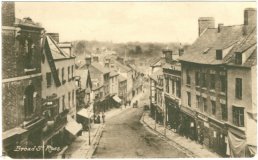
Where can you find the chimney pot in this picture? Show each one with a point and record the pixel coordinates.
(220, 25)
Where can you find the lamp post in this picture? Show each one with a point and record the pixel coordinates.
(89, 129)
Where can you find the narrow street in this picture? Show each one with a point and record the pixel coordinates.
(125, 137)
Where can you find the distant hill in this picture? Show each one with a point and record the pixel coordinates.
(136, 50)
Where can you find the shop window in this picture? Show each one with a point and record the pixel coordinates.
(178, 88)
(203, 77)
(167, 85)
(29, 100)
(213, 107)
(205, 105)
(224, 111)
(49, 79)
(173, 86)
(197, 78)
(212, 81)
(188, 78)
(223, 84)
(198, 102)
(238, 88)
(238, 116)
(189, 99)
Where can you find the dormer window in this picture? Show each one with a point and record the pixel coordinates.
(218, 54)
(238, 59)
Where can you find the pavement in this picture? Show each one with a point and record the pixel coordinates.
(80, 147)
(191, 148)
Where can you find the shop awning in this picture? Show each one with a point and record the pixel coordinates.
(12, 132)
(117, 99)
(73, 127)
(85, 113)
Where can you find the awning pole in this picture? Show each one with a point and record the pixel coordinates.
(43, 149)
(89, 130)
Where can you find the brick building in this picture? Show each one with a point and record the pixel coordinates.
(22, 110)
(218, 82)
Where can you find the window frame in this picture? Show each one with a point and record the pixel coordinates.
(205, 105)
(188, 77)
(189, 99)
(212, 81)
(238, 58)
(224, 112)
(238, 88)
(238, 117)
(219, 54)
(49, 79)
(213, 107)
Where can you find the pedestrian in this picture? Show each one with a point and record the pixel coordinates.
(201, 139)
(103, 117)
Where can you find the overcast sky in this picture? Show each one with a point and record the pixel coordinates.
(130, 21)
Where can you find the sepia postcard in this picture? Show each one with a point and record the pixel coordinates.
(132, 79)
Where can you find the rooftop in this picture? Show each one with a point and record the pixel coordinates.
(230, 39)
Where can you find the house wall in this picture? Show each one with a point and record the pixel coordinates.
(68, 87)
(246, 101)
(114, 85)
(203, 92)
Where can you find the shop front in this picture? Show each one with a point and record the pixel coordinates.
(173, 113)
(187, 126)
(203, 127)
(218, 134)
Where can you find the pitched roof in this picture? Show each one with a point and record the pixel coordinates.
(124, 67)
(121, 78)
(203, 50)
(57, 53)
(99, 67)
(230, 39)
(154, 61)
(113, 73)
(157, 73)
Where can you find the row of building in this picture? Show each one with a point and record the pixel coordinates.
(48, 99)
(208, 91)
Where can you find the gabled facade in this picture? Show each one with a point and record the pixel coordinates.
(58, 91)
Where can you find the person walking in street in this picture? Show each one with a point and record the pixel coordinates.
(103, 117)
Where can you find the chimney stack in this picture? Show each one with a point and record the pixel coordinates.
(220, 25)
(8, 13)
(55, 36)
(249, 20)
(88, 60)
(204, 23)
(167, 54)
